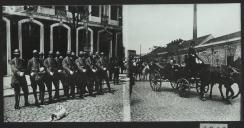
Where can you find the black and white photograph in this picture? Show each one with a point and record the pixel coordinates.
(185, 61)
(63, 63)
(121, 63)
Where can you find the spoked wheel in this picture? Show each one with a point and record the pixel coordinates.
(183, 87)
(174, 84)
(155, 81)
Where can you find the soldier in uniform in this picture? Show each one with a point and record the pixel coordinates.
(90, 72)
(103, 69)
(69, 68)
(18, 78)
(37, 73)
(52, 70)
(82, 73)
(60, 73)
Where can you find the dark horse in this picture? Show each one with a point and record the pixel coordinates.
(223, 75)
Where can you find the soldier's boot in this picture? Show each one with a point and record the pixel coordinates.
(17, 97)
(42, 97)
(36, 100)
(25, 90)
(26, 100)
(56, 95)
(72, 90)
(108, 85)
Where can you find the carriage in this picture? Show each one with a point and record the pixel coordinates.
(181, 79)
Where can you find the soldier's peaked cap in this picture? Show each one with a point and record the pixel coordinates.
(35, 51)
(81, 52)
(73, 53)
(41, 53)
(102, 53)
(68, 52)
(57, 52)
(50, 53)
(16, 51)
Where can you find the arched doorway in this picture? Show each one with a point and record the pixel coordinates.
(82, 41)
(32, 35)
(60, 39)
(104, 43)
(30, 39)
(7, 46)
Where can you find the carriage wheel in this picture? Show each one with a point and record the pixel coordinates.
(183, 87)
(174, 85)
(155, 81)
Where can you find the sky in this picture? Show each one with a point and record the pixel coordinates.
(149, 25)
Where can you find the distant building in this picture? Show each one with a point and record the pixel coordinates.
(222, 50)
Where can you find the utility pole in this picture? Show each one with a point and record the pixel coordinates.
(140, 51)
(195, 24)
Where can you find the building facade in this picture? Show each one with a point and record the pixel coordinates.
(97, 28)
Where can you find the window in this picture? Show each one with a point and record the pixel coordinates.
(95, 10)
(114, 12)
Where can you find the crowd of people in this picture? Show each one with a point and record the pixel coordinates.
(84, 73)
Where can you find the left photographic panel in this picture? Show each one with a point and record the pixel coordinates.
(63, 63)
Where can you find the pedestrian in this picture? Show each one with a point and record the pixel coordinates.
(18, 80)
(103, 71)
(111, 67)
(69, 68)
(131, 74)
(37, 73)
(116, 71)
(52, 77)
(82, 73)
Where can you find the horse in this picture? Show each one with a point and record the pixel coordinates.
(223, 75)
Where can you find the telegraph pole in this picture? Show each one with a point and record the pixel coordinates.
(140, 51)
(195, 24)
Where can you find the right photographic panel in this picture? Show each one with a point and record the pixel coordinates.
(184, 61)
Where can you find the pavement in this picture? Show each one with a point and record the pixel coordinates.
(109, 107)
(167, 105)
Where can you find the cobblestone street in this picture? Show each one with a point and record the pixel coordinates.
(167, 105)
(102, 108)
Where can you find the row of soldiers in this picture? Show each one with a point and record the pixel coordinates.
(85, 72)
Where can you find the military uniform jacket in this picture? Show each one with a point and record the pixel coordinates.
(34, 65)
(17, 65)
(101, 63)
(91, 63)
(51, 64)
(81, 63)
(59, 63)
(68, 64)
